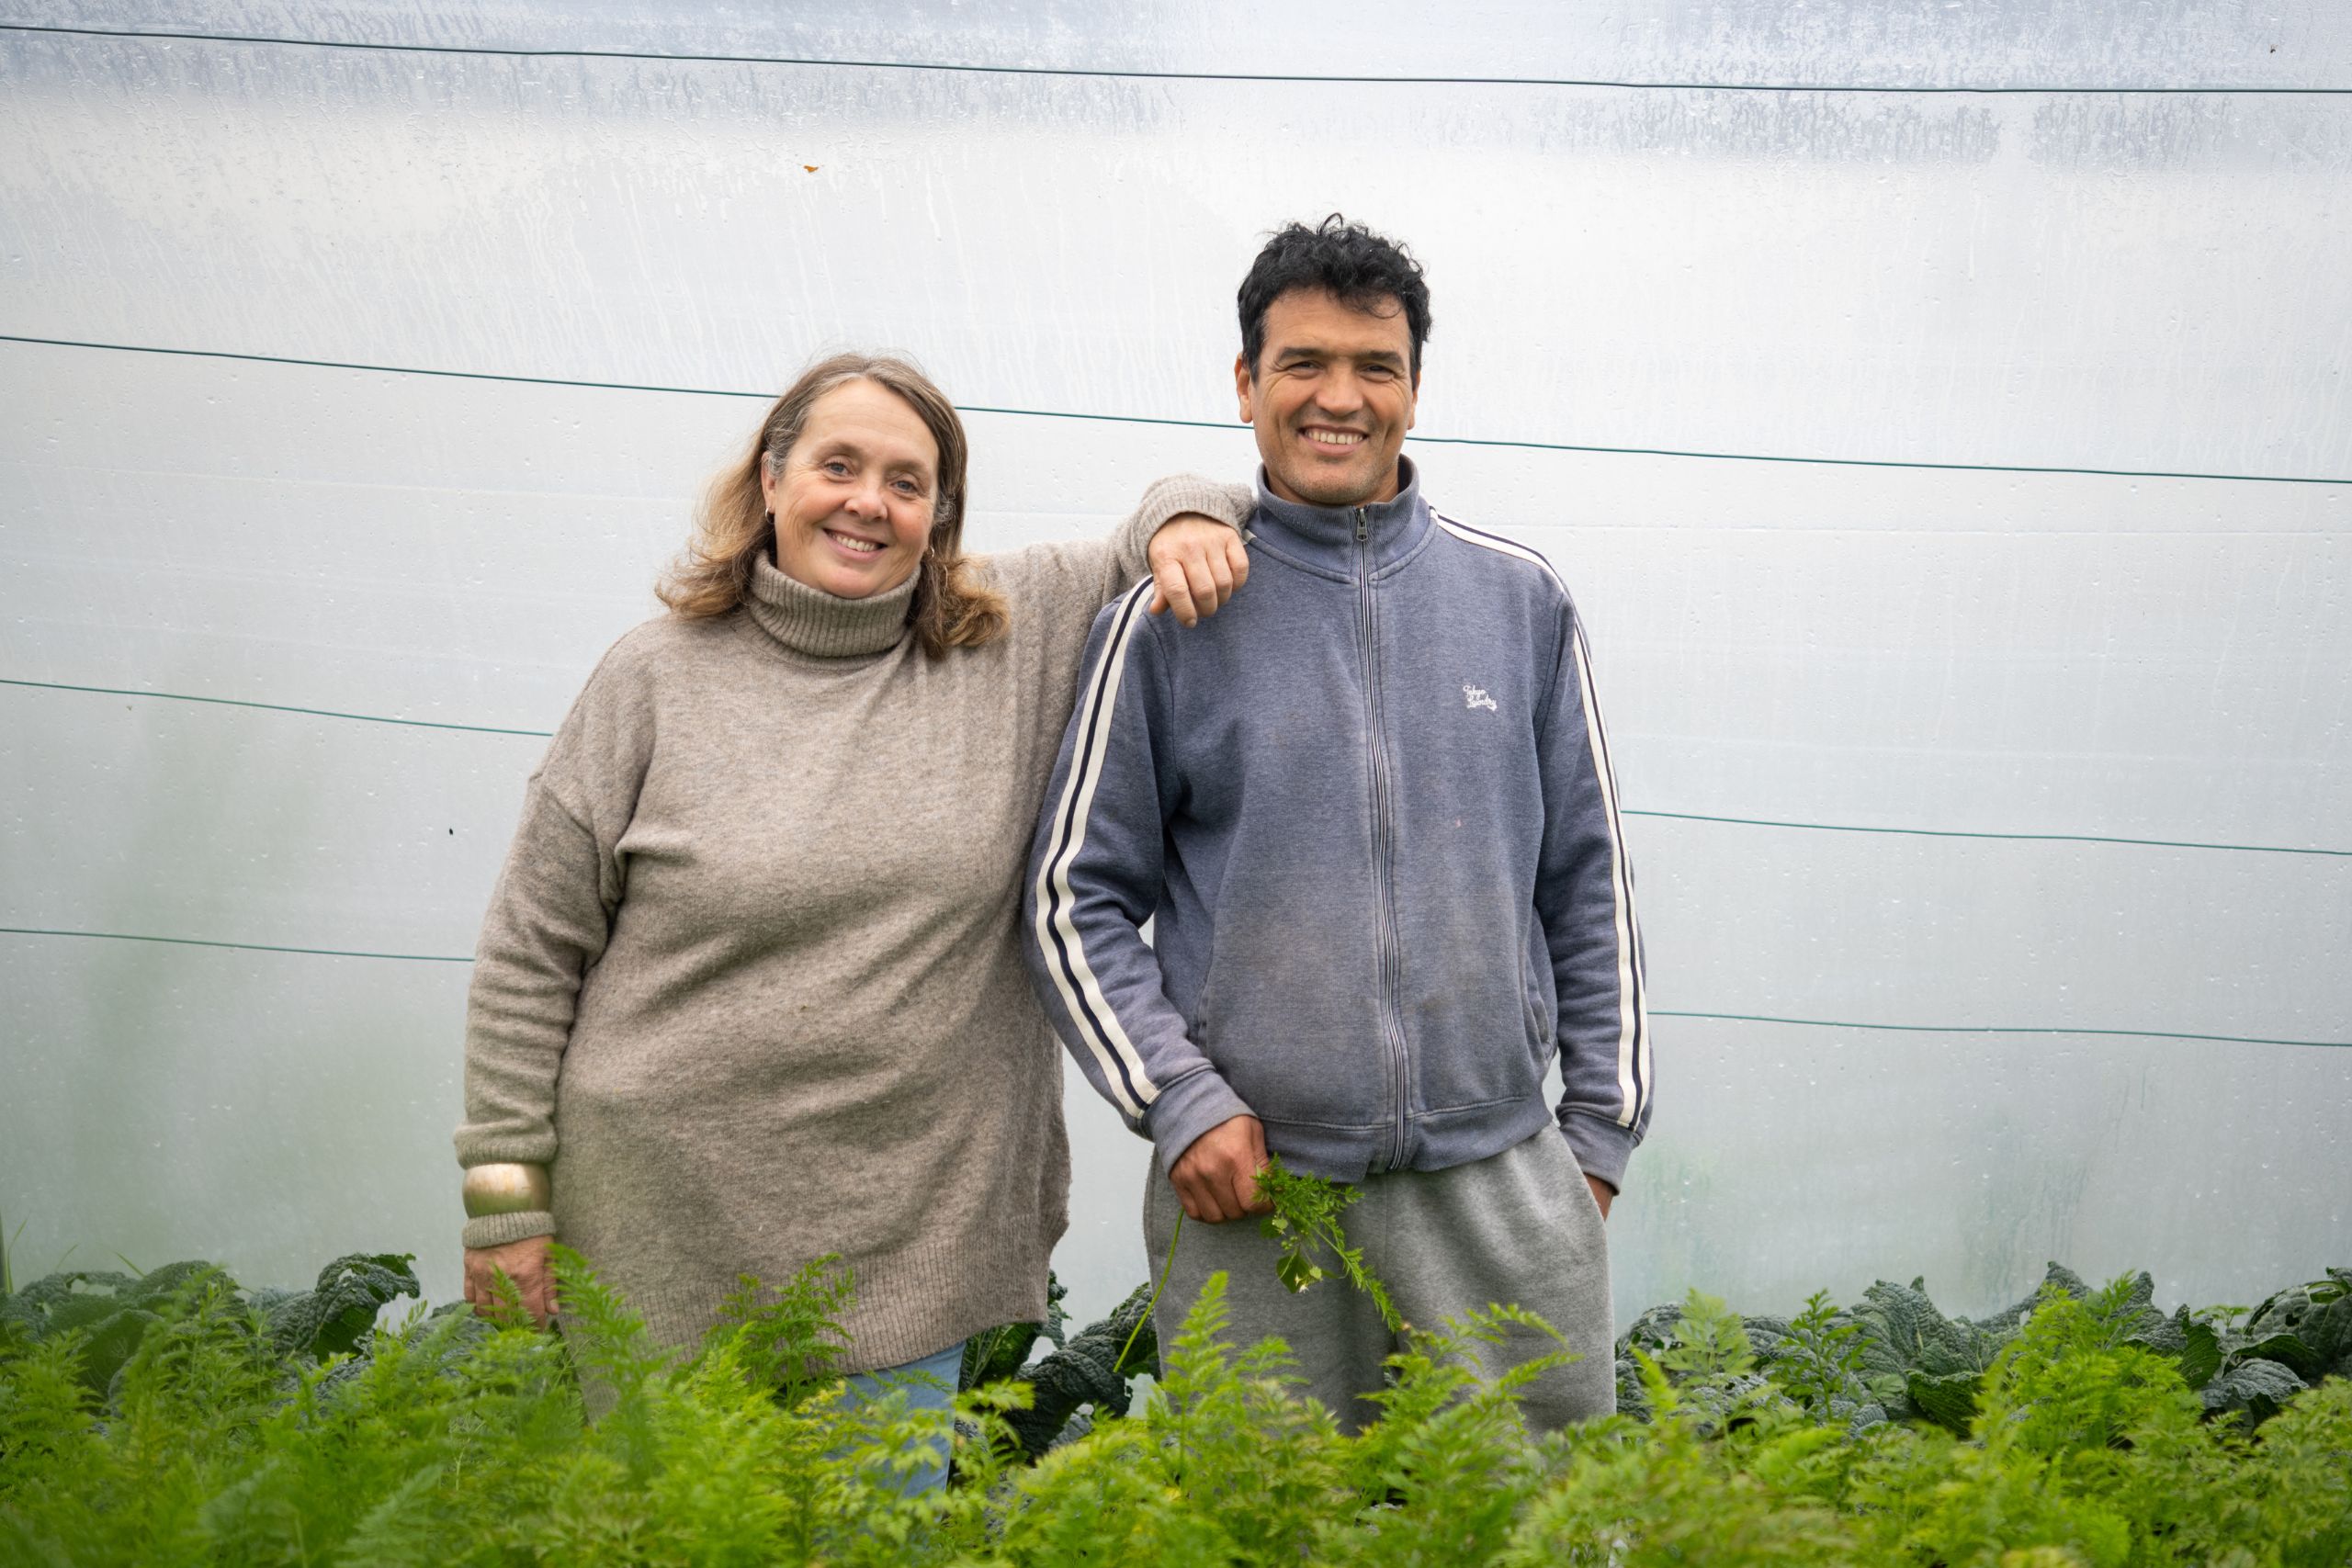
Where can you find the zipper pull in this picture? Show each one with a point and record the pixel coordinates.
(1363, 526)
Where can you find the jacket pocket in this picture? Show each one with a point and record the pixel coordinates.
(1535, 986)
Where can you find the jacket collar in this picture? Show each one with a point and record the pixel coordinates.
(1326, 536)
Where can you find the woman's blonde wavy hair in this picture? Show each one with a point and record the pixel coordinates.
(733, 527)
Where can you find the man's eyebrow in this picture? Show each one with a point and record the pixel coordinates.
(1317, 351)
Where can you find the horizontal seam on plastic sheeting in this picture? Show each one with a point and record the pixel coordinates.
(1629, 811)
(1655, 1012)
(1971, 833)
(275, 707)
(240, 946)
(1195, 423)
(1118, 73)
(2002, 1029)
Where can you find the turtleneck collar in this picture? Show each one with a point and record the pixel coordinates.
(811, 621)
(1327, 537)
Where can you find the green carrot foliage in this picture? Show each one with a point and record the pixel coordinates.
(228, 1427)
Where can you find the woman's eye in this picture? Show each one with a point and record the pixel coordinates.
(838, 469)
(908, 487)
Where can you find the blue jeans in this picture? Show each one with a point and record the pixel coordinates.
(930, 1386)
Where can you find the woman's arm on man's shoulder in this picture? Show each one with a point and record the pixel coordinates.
(1197, 563)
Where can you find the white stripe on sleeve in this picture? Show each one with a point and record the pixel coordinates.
(1081, 993)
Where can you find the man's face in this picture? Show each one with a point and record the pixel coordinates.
(1330, 398)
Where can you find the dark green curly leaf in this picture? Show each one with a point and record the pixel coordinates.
(329, 1319)
(1090, 1370)
(1947, 1399)
(995, 1354)
(1652, 1331)
(1765, 1332)
(2306, 1327)
(111, 1344)
(1633, 1399)
(1903, 1334)
(2200, 1352)
(2256, 1388)
(2056, 1276)
(73, 1300)
(1718, 1405)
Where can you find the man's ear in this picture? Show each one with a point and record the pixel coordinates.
(1241, 387)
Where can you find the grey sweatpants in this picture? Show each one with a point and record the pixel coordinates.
(1519, 1227)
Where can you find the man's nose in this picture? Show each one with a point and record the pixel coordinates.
(1338, 392)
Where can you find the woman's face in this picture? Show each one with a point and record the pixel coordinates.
(853, 502)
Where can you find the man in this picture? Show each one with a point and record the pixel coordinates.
(1370, 809)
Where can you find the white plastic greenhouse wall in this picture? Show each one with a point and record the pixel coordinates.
(1940, 411)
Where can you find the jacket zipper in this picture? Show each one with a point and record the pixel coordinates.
(1383, 897)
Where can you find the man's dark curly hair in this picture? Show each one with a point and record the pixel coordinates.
(1360, 268)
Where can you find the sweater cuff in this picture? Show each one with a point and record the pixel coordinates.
(1166, 499)
(497, 1230)
(1185, 1109)
(1601, 1145)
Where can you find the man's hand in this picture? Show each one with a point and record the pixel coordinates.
(1217, 1177)
(1602, 1193)
(526, 1263)
(1197, 563)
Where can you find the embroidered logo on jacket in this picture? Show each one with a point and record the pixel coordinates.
(1476, 696)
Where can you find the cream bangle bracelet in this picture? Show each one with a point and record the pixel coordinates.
(507, 1190)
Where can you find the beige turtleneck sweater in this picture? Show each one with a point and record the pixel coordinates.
(749, 983)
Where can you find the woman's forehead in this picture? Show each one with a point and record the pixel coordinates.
(872, 417)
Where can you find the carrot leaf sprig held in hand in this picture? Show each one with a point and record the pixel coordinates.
(1306, 1218)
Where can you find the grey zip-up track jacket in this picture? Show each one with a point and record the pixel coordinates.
(1369, 804)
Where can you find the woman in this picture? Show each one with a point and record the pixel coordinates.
(749, 991)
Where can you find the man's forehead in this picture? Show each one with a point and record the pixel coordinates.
(1316, 317)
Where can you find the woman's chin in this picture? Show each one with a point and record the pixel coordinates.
(847, 579)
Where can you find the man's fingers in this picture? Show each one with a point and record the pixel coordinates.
(1244, 1190)
(1254, 1201)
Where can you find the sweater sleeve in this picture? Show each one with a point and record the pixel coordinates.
(1066, 581)
(1584, 896)
(1094, 875)
(549, 917)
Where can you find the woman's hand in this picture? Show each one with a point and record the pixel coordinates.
(1197, 563)
(526, 1263)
